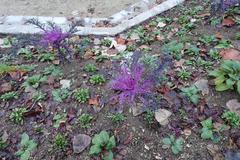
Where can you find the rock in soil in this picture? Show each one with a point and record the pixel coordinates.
(80, 142)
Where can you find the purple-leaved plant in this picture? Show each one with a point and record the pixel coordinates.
(222, 5)
(134, 81)
(53, 36)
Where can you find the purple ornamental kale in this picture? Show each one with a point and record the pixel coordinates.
(136, 81)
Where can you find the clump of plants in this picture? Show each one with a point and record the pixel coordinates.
(192, 93)
(149, 117)
(60, 94)
(54, 71)
(9, 96)
(176, 144)
(17, 115)
(184, 75)
(60, 142)
(34, 81)
(209, 132)
(84, 120)
(227, 76)
(58, 119)
(38, 96)
(90, 68)
(46, 57)
(26, 147)
(173, 48)
(3, 142)
(231, 118)
(103, 142)
(134, 81)
(117, 117)
(82, 95)
(97, 79)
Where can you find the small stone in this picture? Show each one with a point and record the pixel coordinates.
(134, 36)
(162, 115)
(203, 86)
(121, 48)
(161, 24)
(137, 110)
(146, 147)
(96, 41)
(80, 142)
(234, 106)
(65, 83)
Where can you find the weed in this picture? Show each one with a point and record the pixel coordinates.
(84, 120)
(101, 142)
(60, 94)
(117, 117)
(26, 147)
(9, 96)
(231, 118)
(149, 117)
(34, 81)
(207, 39)
(17, 115)
(191, 93)
(53, 71)
(184, 75)
(82, 95)
(176, 144)
(58, 119)
(60, 142)
(46, 57)
(106, 42)
(224, 44)
(174, 48)
(97, 79)
(38, 96)
(90, 68)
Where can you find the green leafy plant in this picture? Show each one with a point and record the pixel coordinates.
(192, 50)
(26, 147)
(53, 71)
(46, 57)
(17, 115)
(9, 96)
(214, 54)
(106, 42)
(38, 96)
(60, 94)
(60, 142)
(3, 142)
(191, 93)
(117, 117)
(149, 117)
(231, 118)
(34, 81)
(58, 119)
(214, 21)
(82, 95)
(184, 75)
(174, 48)
(6, 68)
(84, 120)
(90, 68)
(176, 144)
(237, 36)
(26, 53)
(224, 44)
(207, 39)
(97, 79)
(103, 141)
(227, 76)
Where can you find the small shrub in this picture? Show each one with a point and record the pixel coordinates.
(26, 147)
(82, 95)
(97, 79)
(17, 115)
(101, 142)
(191, 93)
(227, 76)
(60, 142)
(84, 120)
(176, 144)
(231, 118)
(90, 68)
(9, 96)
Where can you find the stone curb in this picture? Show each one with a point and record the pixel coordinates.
(16, 24)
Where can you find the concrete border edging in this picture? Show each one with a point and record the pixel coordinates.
(16, 24)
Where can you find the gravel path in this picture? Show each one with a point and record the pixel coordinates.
(86, 8)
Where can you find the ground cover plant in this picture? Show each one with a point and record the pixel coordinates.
(166, 89)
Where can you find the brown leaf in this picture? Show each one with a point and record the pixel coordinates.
(203, 15)
(5, 87)
(94, 101)
(88, 54)
(56, 62)
(121, 41)
(50, 80)
(228, 21)
(218, 35)
(230, 54)
(128, 139)
(17, 75)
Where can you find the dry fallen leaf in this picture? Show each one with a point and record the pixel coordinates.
(5, 87)
(228, 21)
(218, 35)
(230, 54)
(94, 101)
(121, 41)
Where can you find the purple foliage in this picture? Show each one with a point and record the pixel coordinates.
(135, 80)
(229, 3)
(222, 5)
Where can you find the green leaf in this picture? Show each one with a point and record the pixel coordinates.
(216, 73)
(166, 141)
(95, 150)
(219, 80)
(104, 136)
(24, 139)
(97, 140)
(230, 83)
(194, 99)
(206, 133)
(207, 123)
(222, 87)
(109, 156)
(175, 150)
(25, 155)
(111, 143)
